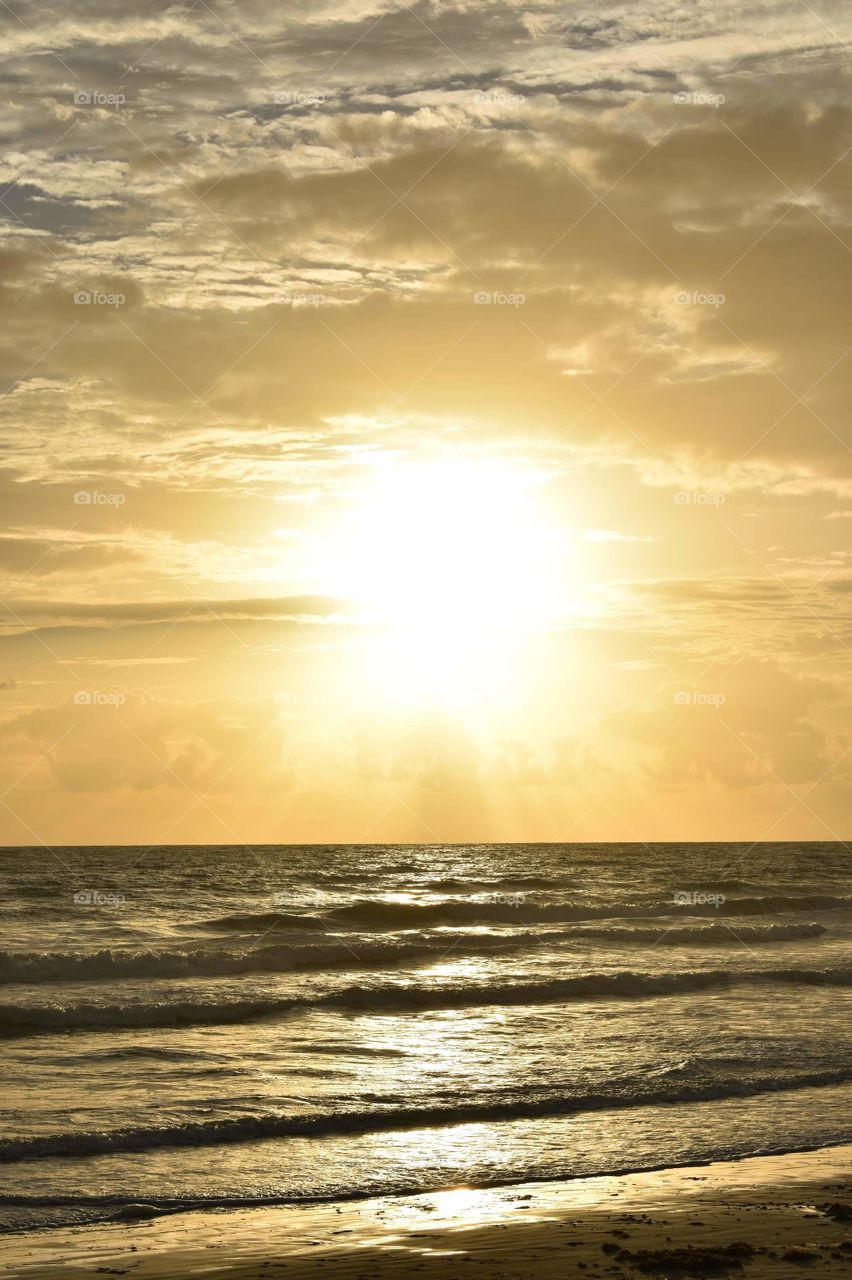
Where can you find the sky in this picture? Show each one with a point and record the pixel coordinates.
(425, 422)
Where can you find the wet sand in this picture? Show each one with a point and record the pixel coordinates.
(771, 1216)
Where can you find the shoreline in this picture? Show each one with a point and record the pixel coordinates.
(765, 1215)
(169, 1206)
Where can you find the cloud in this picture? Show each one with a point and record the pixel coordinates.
(103, 741)
(750, 725)
(172, 612)
(249, 255)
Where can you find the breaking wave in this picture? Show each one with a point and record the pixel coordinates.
(25, 1019)
(203, 1133)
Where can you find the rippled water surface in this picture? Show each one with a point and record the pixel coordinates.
(288, 1023)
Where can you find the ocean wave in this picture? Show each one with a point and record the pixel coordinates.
(267, 922)
(780, 902)
(629, 1093)
(588, 986)
(509, 905)
(715, 934)
(723, 1152)
(473, 884)
(24, 1019)
(378, 914)
(114, 963)
(278, 957)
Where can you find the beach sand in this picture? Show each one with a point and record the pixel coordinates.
(772, 1216)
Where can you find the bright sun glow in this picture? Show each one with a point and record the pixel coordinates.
(452, 562)
(431, 542)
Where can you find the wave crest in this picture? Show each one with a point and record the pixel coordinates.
(204, 1133)
(398, 998)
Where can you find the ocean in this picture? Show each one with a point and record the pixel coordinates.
(233, 1025)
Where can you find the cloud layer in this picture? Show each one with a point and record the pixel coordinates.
(250, 256)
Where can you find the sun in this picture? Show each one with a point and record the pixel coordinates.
(446, 541)
(450, 561)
